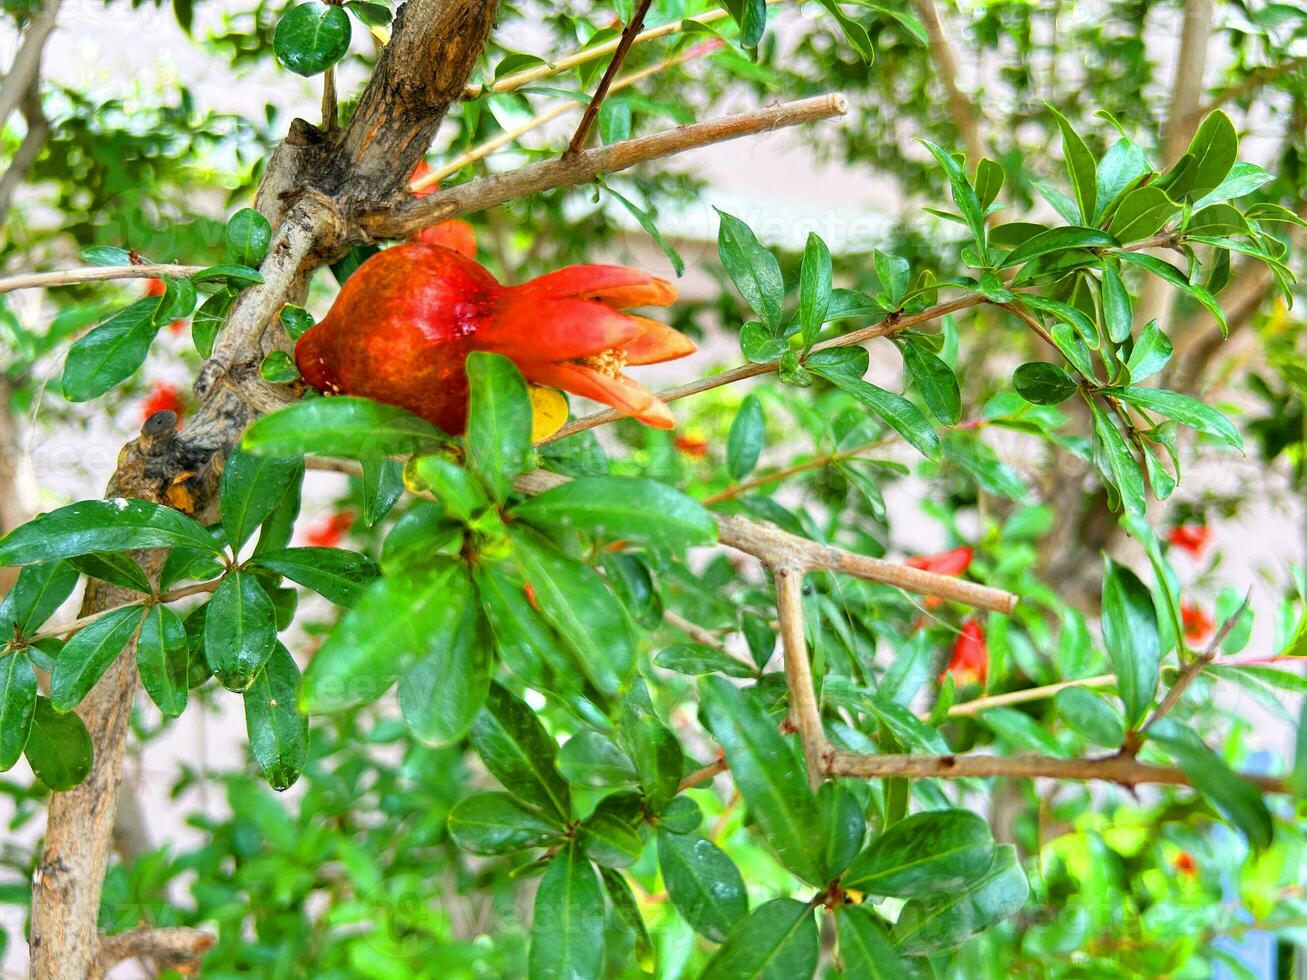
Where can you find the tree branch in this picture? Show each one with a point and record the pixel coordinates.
(94, 273)
(632, 28)
(805, 713)
(413, 215)
(177, 948)
(27, 62)
(38, 129)
(962, 111)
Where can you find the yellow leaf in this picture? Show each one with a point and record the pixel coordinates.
(548, 412)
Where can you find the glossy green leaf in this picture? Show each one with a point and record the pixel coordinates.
(311, 37)
(278, 732)
(495, 823)
(865, 950)
(935, 381)
(1151, 352)
(1117, 462)
(355, 428)
(58, 747)
(1090, 716)
(102, 525)
(1130, 633)
(769, 775)
(924, 854)
(1058, 240)
(498, 435)
(814, 284)
(337, 574)
(658, 759)
(248, 236)
(39, 590)
(591, 759)
(84, 658)
(17, 705)
(964, 195)
(1043, 383)
(1118, 311)
(633, 509)
(252, 487)
(695, 658)
(240, 630)
(896, 411)
(926, 925)
(1185, 410)
(752, 268)
(1142, 212)
(1080, 167)
(209, 318)
(1215, 147)
(518, 751)
(611, 839)
(776, 941)
(567, 927)
(163, 660)
(114, 567)
(623, 902)
(703, 883)
(745, 441)
(111, 353)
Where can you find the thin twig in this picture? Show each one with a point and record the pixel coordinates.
(704, 637)
(820, 462)
(330, 112)
(1255, 80)
(413, 215)
(94, 273)
(961, 109)
(805, 713)
(629, 32)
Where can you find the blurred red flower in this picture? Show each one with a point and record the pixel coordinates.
(1197, 624)
(1191, 538)
(156, 287)
(955, 561)
(1185, 864)
(693, 446)
(970, 661)
(328, 531)
(163, 398)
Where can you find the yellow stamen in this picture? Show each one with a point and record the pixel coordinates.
(609, 363)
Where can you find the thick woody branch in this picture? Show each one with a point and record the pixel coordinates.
(38, 129)
(175, 948)
(488, 192)
(94, 273)
(775, 547)
(26, 65)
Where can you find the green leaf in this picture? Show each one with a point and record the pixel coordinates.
(1021, 731)
(1151, 352)
(498, 435)
(989, 180)
(369, 14)
(623, 902)
(814, 282)
(102, 525)
(1057, 240)
(111, 353)
(964, 195)
(703, 883)
(278, 733)
(311, 38)
(1122, 165)
(594, 760)
(84, 658)
(235, 276)
(110, 255)
(521, 636)
(658, 759)
(39, 590)
(1234, 796)
(576, 602)
(1215, 147)
(336, 574)
(924, 854)
(163, 660)
(865, 950)
(518, 751)
(441, 694)
(695, 658)
(1185, 410)
(777, 941)
(114, 567)
(355, 428)
(17, 705)
(248, 236)
(1142, 212)
(611, 835)
(1130, 634)
(209, 318)
(894, 275)
(634, 509)
(745, 441)
(752, 268)
(751, 17)
(567, 927)
(252, 487)
(1118, 312)
(1116, 462)
(279, 368)
(769, 775)
(1090, 716)
(58, 747)
(927, 925)
(935, 380)
(1043, 383)
(651, 229)
(240, 630)
(374, 642)
(495, 823)
(382, 485)
(1080, 167)
(897, 412)
(854, 32)
(844, 821)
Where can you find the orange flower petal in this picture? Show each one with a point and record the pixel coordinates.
(457, 235)
(656, 343)
(615, 285)
(627, 396)
(526, 328)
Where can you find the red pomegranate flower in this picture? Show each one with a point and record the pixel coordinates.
(1185, 864)
(328, 531)
(1191, 538)
(405, 321)
(696, 447)
(1197, 624)
(970, 660)
(163, 398)
(157, 287)
(952, 562)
